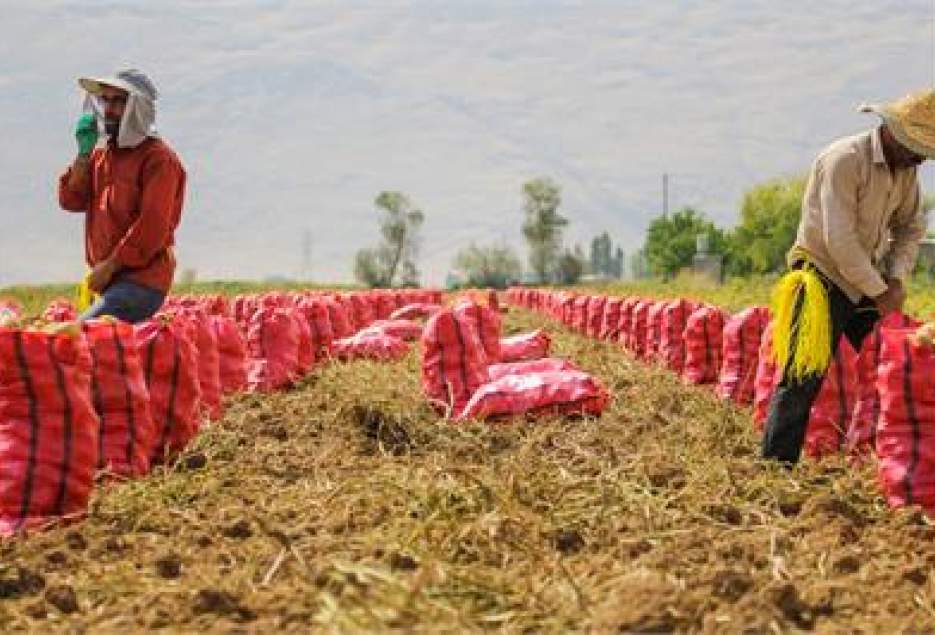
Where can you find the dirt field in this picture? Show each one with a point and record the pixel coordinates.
(347, 505)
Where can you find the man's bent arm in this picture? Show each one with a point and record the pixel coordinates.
(74, 186)
(838, 194)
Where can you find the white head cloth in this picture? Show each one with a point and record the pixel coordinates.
(139, 115)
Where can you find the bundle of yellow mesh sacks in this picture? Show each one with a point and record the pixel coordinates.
(802, 347)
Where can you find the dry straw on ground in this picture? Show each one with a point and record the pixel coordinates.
(347, 505)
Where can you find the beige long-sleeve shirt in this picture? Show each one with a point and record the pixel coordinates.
(860, 221)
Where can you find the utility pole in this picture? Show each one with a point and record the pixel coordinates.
(665, 195)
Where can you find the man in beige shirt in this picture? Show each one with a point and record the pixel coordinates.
(862, 220)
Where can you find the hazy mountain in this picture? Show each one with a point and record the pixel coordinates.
(291, 116)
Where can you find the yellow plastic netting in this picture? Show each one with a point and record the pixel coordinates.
(810, 344)
(85, 296)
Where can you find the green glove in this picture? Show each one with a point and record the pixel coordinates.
(86, 133)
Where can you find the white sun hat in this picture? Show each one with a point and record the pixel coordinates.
(139, 115)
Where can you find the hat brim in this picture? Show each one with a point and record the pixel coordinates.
(899, 131)
(95, 85)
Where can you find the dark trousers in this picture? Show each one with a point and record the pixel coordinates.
(792, 402)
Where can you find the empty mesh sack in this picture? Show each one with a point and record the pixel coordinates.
(170, 366)
(127, 432)
(454, 363)
(741, 350)
(525, 346)
(905, 442)
(372, 345)
(568, 392)
(415, 311)
(548, 364)
(703, 343)
(407, 330)
(48, 428)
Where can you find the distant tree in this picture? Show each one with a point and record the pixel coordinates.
(671, 241)
(601, 259)
(491, 266)
(396, 256)
(618, 262)
(571, 265)
(604, 259)
(543, 225)
(769, 220)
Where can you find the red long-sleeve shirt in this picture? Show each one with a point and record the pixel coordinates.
(133, 205)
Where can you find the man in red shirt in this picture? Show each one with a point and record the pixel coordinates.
(131, 190)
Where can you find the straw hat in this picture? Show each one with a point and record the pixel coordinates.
(911, 120)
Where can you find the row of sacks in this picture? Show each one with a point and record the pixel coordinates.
(107, 398)
(469, 371)
(878, 401)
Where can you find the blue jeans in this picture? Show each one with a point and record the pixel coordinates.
(126, 301)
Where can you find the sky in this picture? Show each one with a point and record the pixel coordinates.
(290, 117)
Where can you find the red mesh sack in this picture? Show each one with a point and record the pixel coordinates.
(305, 358)
(766, 380)
(525, 346)
(906, 430)
(373, 345)
(232, 354)
(319, 324)
(546, 365)
(273, 350)
(579, 316)
(170, 366)
(834, 405)
(672, 341)
(407, 330)
(486, 323)
(568, 392)
(861, 434)
(610, 321)
(741, 350)
(654, 330)
(60, 311)
(362, 310)
(337, 315)
(205, 340)
(703, 344)
(595, 318)
(625, 329)
(48, 429)
(454, 363)
(127, 433)
(639, 328)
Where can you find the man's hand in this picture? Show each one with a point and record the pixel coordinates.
(101, 275)
(892, 299)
